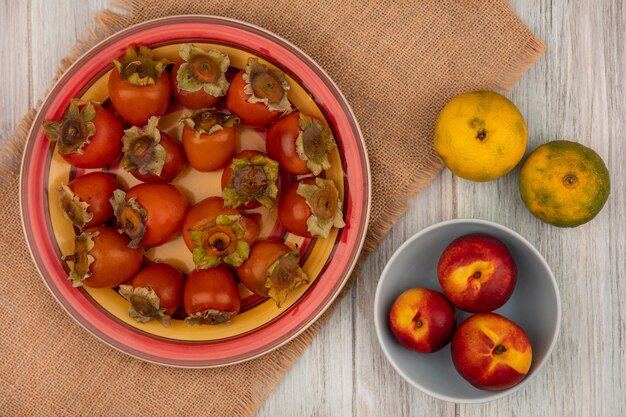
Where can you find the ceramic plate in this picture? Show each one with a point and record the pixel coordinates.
(261, 326)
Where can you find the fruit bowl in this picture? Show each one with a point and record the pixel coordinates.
(261, 326)
(534, 305)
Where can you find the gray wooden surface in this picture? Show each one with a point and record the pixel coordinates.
(577, 91)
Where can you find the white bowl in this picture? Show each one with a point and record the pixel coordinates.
(535, 305)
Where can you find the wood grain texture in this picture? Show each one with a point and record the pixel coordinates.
(14, 41)
(577, 91)
(55, 28)
(379, 390)
(320, 383)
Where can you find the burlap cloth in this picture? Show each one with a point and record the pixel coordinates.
(397, 62)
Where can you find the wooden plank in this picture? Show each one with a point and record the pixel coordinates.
(379, 390)
(575, 92)
(55, 28)
(320, 382)
(14, 42)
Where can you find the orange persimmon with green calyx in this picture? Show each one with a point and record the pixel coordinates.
(151, 155)
(209, 139)
(220, 242)
(250, 180)
(272, 270)
(300, 143)
(216, 234)
(480, 136)
(564, 183)
(311, 207)
(211, 296)
(139, 86)
(155, 293)
(258, 94)
(85, 199)
(199, 80)
(102, 258)
(87, 136)
(150, 213)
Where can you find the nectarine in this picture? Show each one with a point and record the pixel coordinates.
(422, 320)
(491, 352)
(477, 273)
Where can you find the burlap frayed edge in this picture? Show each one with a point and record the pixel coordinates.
(396, 207)
(528, 54)
(133, 7)
(521, 63)
(11, 151)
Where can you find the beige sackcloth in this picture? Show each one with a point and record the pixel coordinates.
(396, 61)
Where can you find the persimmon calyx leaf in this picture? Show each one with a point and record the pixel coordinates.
(325, 204)
(254, 179)
(142, 149)
(203, 70)
(209, 316)
(130, 216)
(73, 132)
(220, 242)
(283, 276)
(144, 304)
(314, 143)
(208, 121)
(81, 258)
(74, 209)
(138, 66)
(267, 86)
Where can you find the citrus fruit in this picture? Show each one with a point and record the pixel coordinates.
(480, 135)
(564, 183)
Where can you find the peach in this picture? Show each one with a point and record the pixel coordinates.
(477, 273)
(491, 352)
(422, 320)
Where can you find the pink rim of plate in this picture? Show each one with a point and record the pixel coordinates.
(38, 229)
